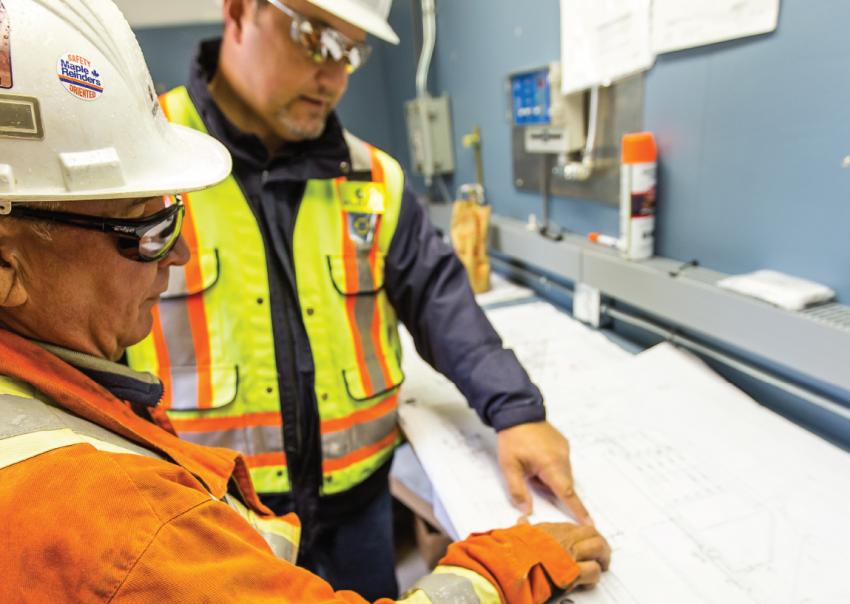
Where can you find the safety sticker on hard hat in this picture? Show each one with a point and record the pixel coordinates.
(79, 76)
(5, 48)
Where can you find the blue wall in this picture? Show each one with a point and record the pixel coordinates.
(752, 133)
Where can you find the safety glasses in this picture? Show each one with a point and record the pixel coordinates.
(147, 239)
(322, 42)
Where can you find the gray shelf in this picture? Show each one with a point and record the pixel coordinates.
(815, 342)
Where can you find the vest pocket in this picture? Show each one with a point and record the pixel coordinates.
(354, 382)
(361, 274)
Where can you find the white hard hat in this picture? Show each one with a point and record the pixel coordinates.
(79, 117)
(368, 15)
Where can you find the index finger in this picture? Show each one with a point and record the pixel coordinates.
(576, 508)
(561, 484)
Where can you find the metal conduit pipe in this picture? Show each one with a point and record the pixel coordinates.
(429, 39)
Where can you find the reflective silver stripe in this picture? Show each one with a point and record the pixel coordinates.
(25, 415)
(339, 444)
(365, 279)
(176, 283)
(364, 314)
(184, 388)
(361, 158)
(28, 415)
(282, 547)
(177, 330)
(448, 589)
(251, 440)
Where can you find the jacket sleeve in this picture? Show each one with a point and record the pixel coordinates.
(428, 287)
(209, 554)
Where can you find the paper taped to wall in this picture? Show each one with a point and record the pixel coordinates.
(679, 24)
(603, 41)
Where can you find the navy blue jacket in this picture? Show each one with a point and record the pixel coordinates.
(424, 280)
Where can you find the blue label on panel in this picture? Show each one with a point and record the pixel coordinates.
(531, 97)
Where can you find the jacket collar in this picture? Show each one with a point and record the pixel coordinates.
(72, 390)
(323, 158)
(121, 381)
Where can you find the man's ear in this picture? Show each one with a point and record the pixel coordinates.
(12, 290)
(235, 13)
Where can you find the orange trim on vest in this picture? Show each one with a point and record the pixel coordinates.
(215, 424)
(349, 254)
(265, 460)
(360, 417)
(332, 465)
(375, 332)
(162, 103)
(197, 312)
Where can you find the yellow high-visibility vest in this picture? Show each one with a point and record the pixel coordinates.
(212, 342)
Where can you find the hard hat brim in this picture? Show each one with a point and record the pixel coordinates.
(359, 17)
(189, 161)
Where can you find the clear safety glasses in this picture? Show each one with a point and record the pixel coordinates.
(147, 239)
(322, 42)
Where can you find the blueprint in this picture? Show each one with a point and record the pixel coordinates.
(704, 495)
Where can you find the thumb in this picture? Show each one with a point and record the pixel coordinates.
(517, 487)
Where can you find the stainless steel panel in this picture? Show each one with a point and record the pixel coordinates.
(620, 111)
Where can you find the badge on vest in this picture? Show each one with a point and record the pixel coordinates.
(363, 197)
(361, 229)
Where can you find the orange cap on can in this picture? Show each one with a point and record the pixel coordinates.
(639, 148)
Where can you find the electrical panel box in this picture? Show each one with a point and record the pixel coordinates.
(553, 123)
(429, 128)
(531, 97)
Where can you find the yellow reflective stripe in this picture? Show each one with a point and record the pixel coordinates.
(14, 387)
(486, 591)
(415, 596)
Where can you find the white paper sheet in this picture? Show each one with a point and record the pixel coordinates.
(501, 291)
(602, 41)
(704, 495)
(679, 24)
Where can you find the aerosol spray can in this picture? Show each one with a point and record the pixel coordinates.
(637, 195)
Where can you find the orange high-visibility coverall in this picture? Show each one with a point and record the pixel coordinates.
(83, 524)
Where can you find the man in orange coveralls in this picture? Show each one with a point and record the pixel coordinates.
(98, 502)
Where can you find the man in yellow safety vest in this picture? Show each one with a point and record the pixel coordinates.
(98, 503)
(278, 339)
